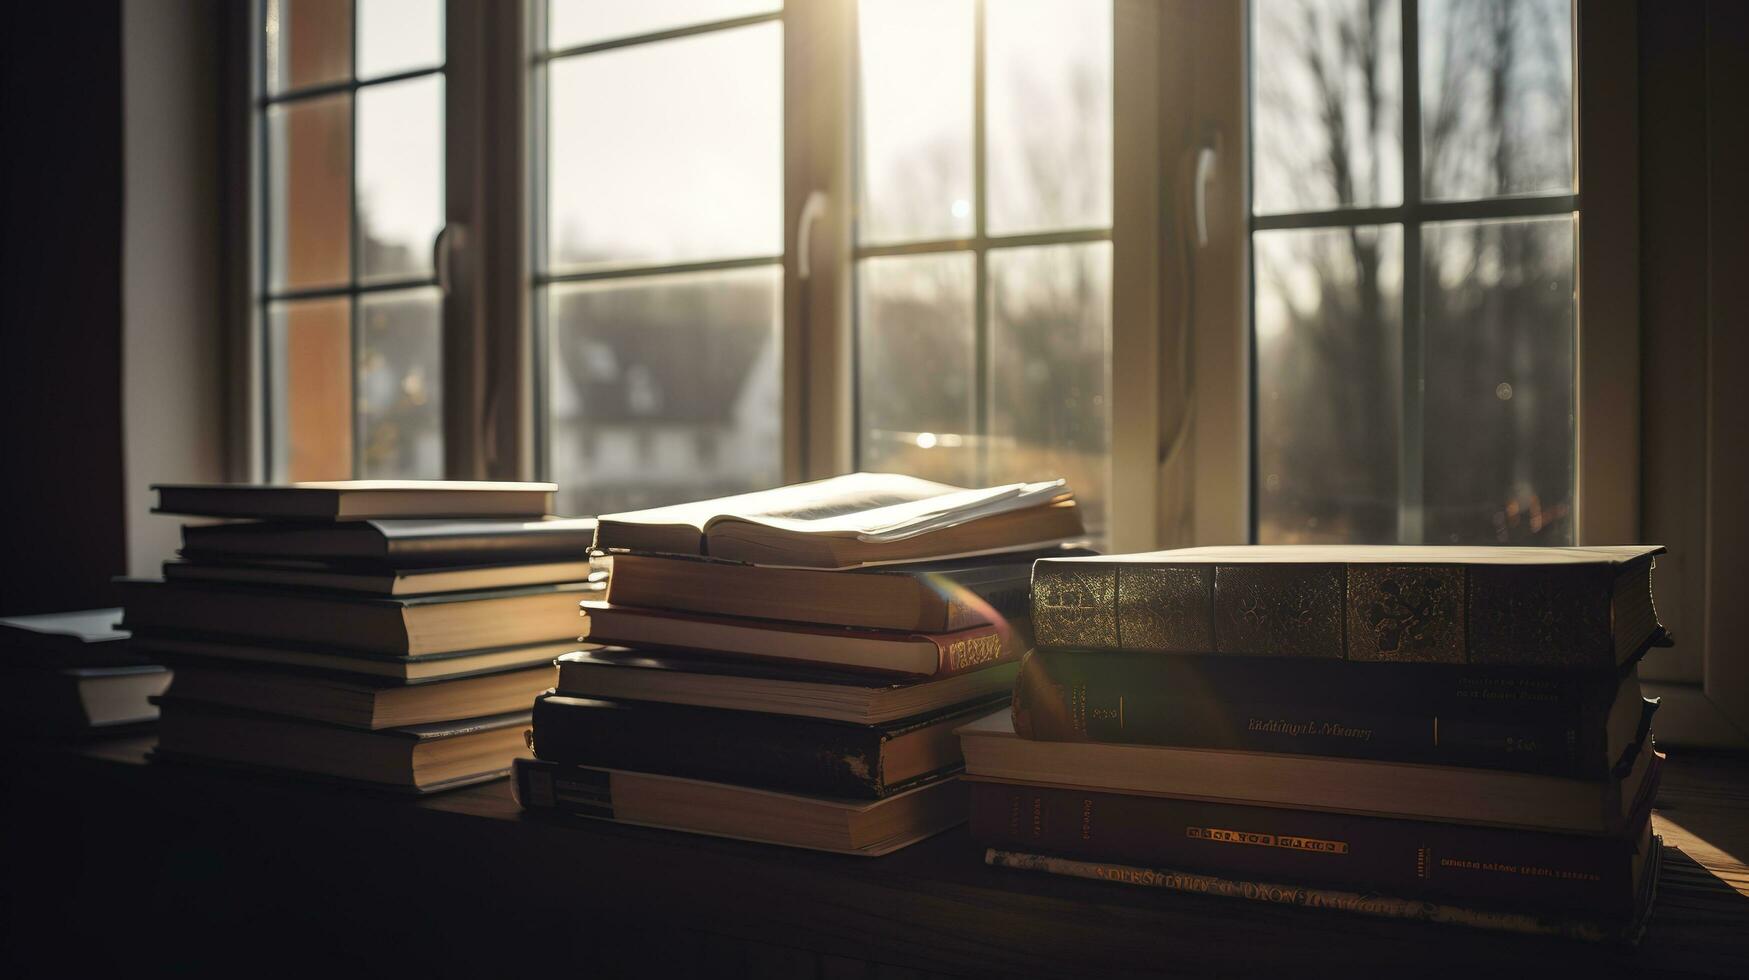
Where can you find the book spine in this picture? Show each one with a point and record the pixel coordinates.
(973, 649)
(1410, 858)
(968, 604)
(1383, 906)
(791, 754)
(1524, 615)
(1487, 718)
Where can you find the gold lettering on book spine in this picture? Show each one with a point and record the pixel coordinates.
(972, 651)
(1165, 609)
(1406, 614)
(1074, 604)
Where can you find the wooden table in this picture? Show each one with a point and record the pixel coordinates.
(117, 862)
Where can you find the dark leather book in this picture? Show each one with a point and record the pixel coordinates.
(1534, 607)
(1564, 723)
(353, 499)
(925, 597)
(395, 544)
(365, 579)
(360, 702)
(180, 648)
(401, 626)
(86, 638)
(779, 752)
(1408, 858)
(861, 828)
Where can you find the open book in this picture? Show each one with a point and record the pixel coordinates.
(852, 520)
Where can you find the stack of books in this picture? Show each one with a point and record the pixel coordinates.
(74, 674)
(790, 666)
(1450, 734)
(393, 634)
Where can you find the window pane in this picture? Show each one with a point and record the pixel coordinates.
(916, 377)
(400, 385)
(1496, 97)
(1050, 348)
(669, 152)
(578, 22)
(1328, 345)
(310, 390)
(309, 42)
(400, 176)
(665, 388)
(1048, 115)
(1327, 118)
(310, 193)
(1499, 406)
(916, 120)
(399, 35)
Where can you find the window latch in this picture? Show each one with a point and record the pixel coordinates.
(443, 247)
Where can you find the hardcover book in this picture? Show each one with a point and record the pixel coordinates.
(1445, 794)
(937, 655)
(1583, 724)
(861, 828)
(1595, 930)
(179, 649)
(771, 686)
(354, 499)
(381, 581)
(410, 626)
(81, 700)
(852, 520)
(1411, 858)
(85, 638)
(926, 597)
(1538, 607)
(395, 544)
(778, 752)
(360, 702)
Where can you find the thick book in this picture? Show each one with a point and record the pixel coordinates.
(929, 654)
(926, 597)
(779, 752)
(1444, 794)
(1584, 724)
(861, 828)
(359, 702)
(396, 544)
(409, 626)
(81, 700)
(1534, 607)
(179, 649)
(852, 520)
(773, 687)
(1551, 923)
(381, 581)
(84, 638)
(355, 499)
(421, 758)
(1412, 858)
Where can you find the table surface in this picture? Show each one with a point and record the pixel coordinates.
(930, 909)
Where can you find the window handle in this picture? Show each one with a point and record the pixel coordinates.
(451, 237)
(1205, 168)
(812, 210)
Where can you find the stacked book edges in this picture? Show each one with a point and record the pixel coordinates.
(75, 675)
(1448, 734)
(791, 666)
(393, 635)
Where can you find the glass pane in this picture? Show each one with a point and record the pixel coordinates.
(665, 388)
(309, 193)
(400, 385)
(1496, 97)
(916, 120)
(310, 391)
(916, 376)
(1050, 370)
(1329, 358)
(577, 22)
(309, 42)
(400, 176)
(399, 35)
(658, 157)
(1326, 100)
(1048, 114)
(1498, 302)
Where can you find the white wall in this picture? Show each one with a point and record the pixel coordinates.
(173, 340)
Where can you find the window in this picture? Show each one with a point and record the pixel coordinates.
(351, 126)
(983, 235)
(1413, 226)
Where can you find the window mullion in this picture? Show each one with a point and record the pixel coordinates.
(1411, 521)
(981, 325)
